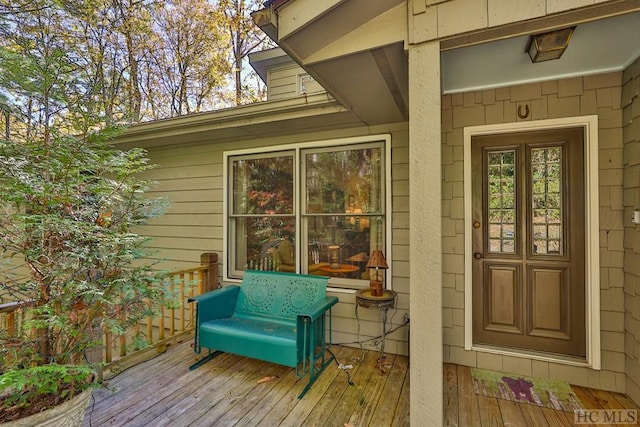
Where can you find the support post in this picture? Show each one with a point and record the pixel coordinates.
(210, 260)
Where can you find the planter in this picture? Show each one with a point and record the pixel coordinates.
(69, 414)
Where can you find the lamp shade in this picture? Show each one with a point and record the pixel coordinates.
(377, 260)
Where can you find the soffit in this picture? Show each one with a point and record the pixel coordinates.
(599, 46)
(354, 49)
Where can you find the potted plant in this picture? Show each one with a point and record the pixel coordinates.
(68, 253)
(69, 207)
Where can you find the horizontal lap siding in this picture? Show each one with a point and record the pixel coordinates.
(283, 82)
(191, 179)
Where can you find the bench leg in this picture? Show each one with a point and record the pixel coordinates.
(205, 359)
(313, 375)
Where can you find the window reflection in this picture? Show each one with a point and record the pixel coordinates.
(341, 193)
(501, 195)
(546, 199)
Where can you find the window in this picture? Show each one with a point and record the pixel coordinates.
(315, 209)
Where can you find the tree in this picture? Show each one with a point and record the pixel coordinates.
(146, 59)
(244, 38)
(188, 56)
(69, 205)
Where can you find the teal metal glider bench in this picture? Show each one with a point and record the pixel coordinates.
(275, 317)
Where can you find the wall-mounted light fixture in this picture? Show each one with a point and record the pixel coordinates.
(547, 46)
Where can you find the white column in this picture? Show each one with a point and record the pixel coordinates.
(425, 236)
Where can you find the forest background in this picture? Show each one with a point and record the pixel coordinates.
(126, 61)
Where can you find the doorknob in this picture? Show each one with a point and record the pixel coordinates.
(477, 255)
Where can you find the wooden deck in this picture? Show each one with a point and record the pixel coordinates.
(462, 407)
(225, 392)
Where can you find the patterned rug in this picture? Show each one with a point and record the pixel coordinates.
(535, 391)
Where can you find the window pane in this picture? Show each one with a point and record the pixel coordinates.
(263, 186)
(341, 192)
(344, 181)
(339, 246)
(501, 176)
(265, 243)
(546, 176)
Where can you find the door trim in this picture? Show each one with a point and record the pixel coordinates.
(592, 260)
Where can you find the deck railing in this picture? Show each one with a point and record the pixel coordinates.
(151, 336)
(175, 319)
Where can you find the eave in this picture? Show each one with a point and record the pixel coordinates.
(271, 118)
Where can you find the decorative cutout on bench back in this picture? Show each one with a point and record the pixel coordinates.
(279, 294)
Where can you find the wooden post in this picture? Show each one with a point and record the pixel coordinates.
(210, 260)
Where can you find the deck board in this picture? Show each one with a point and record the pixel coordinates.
(467, 400)
(225, 391)
(397, 385)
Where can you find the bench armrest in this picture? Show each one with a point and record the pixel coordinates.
(318, 309)
(216, 304)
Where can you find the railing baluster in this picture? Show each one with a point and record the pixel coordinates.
(183, 302)
(195, 278)
(150, 330)
(108, 354)
(161, 325)
(123, 345)
(10, 323)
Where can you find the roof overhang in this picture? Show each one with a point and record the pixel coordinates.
(261, 120)
(355, 49)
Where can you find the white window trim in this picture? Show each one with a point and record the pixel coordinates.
(298, 147)
(592, 223)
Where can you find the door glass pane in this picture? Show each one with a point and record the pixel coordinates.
(501, 186)
(546, 200)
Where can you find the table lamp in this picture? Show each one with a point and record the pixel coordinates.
(334, 254)
(377, 262)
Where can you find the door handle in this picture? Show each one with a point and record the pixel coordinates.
(477, 255)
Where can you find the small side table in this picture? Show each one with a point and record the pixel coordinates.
(383, 303)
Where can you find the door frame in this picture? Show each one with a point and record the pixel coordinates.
(592, 260)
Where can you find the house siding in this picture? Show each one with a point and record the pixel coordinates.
(547, 100)
(191, 178)
(284, 81)
(434, 19)
(630, 202)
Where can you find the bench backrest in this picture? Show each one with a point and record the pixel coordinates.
(278, 295)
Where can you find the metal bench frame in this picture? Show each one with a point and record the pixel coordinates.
(273, 316)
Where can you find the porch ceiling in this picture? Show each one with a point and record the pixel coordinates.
(356, 49)
(596, 47)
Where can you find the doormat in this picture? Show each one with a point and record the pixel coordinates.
(518, 388)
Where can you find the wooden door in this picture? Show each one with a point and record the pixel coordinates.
(528, 241)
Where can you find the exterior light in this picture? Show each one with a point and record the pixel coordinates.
(548, 46)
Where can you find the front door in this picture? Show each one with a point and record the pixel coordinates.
(528, 241)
